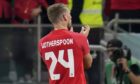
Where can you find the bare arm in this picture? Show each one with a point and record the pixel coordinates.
(133, 78)
(87, 58)
(87, 61)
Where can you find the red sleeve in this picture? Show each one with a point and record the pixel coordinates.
(85, 45)
(43, 3)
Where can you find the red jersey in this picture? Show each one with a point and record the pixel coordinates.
(125, 4)
(5, 9)
(23, 8)
(63, 52)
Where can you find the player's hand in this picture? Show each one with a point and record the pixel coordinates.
(123, 61)
(35, 12)
(85, 30)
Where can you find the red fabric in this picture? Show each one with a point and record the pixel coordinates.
(125, 4)
(23, 8)
(43, 3)
(5, 8)
(107, 7)
(79, 47)
(61, 1)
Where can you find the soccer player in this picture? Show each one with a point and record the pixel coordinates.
(64, 52)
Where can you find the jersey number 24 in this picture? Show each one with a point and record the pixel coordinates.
(66, 64)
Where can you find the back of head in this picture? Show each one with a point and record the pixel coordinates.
(56, 11)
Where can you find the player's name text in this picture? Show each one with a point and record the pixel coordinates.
(58, 42)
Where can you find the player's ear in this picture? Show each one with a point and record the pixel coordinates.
(65, 17)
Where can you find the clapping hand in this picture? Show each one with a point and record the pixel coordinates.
(85, 30)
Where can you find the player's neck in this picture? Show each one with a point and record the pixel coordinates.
(59, 26)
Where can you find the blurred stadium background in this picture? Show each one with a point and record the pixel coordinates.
(18, 40)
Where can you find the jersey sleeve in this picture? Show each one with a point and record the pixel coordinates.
(85, 45)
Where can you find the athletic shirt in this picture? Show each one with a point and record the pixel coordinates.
(63, 52)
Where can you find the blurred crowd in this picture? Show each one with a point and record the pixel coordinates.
(21, 42)
(25, 11)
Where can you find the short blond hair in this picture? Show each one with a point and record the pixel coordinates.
(56, 11)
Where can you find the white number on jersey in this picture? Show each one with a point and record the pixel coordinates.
(65, 64)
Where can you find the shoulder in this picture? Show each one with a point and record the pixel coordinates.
(45, 38)
(42, 38)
